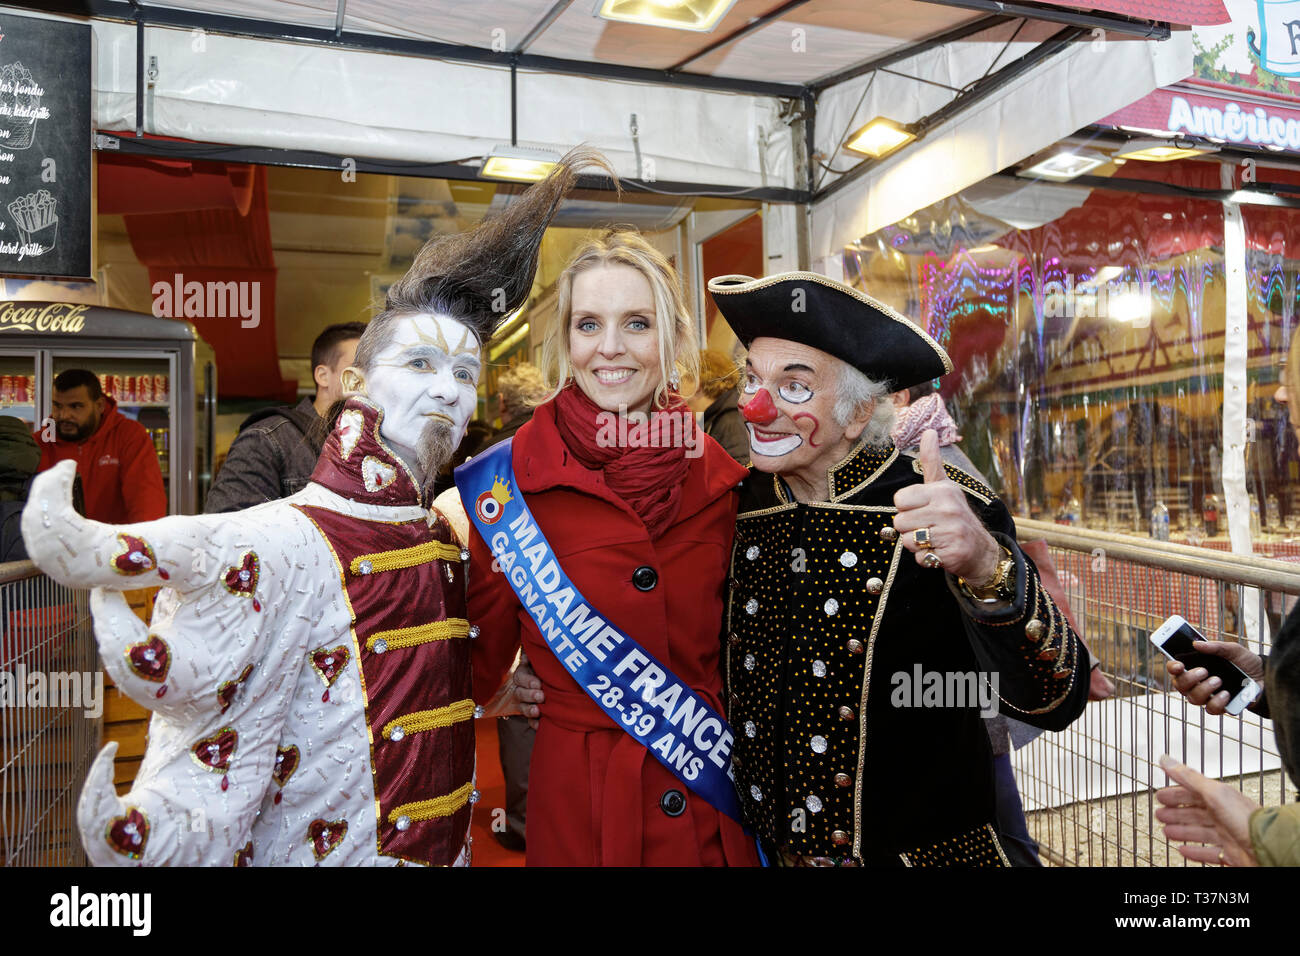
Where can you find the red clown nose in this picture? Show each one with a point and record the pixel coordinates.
(760, 409)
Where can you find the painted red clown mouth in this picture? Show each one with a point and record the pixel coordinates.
(772, 444)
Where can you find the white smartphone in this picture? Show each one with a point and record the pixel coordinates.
(1174, 638)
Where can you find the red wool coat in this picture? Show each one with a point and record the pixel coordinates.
(596, 796)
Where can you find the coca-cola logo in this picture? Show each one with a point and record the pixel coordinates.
(54, 317)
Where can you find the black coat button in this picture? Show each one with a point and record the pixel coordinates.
(673, 803)
(644, 579)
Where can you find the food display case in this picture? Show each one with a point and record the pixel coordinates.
(160, 372)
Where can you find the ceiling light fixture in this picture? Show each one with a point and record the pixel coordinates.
(698, 15)
(1065, 165)
(879, 138)
(1161, 150)
(519, 164)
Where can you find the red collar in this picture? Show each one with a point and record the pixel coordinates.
(357, 464)
(542, 461)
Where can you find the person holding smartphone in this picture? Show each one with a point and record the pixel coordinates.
(1230, 827)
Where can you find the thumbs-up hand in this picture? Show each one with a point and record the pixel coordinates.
(948, 530)
(931, 460)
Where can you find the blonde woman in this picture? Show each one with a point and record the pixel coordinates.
(638, 507)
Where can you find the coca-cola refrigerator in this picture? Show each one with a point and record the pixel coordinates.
(161, 373)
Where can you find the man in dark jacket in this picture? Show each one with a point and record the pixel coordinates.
(19, 458)
(276, 449)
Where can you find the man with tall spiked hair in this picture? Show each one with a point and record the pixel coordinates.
(879, 603)
(308, 661)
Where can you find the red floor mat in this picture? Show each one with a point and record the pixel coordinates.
(492, 787)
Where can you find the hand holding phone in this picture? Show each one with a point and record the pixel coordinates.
(1220, 676)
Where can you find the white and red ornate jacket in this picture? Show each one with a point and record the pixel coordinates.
(307, 665)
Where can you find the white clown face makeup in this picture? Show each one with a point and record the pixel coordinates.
(788, 395)
(427, 372)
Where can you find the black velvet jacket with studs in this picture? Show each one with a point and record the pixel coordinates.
(846, 750)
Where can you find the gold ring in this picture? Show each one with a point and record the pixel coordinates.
(923, 538)
(932, 560)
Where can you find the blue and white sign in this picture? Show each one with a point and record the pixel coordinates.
(1278, 49)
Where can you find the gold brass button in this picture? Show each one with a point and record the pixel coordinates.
(840, 838)
(1034, 630)
(888, 534)
(846, 713)
(875, 585)
(843, 780)
(854, 645)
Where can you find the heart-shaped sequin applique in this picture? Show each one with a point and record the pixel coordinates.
(376, 474)
(244, 855)
(150, 660)
(134, 556)
(328, 662)
(286, 762)
(214, 753)
(351, 424)
(325, 835)
(227, 692)
(128, 834)
(242, 579)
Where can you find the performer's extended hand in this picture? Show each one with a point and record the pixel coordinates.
(958, 537)
(1209, 812)
(1203, 690)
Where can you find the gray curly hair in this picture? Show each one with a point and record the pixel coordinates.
(855, 390)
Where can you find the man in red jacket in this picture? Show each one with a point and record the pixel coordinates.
(115, 456)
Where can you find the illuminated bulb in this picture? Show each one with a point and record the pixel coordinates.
(879, 138)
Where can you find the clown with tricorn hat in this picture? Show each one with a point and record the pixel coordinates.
(879, 603)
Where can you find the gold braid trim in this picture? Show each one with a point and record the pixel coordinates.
(1065, 657)
(406, 557)
(443, 806)
(419, 634)
(422, 720)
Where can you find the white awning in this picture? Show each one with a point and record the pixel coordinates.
(1055, 99)
(253, 92)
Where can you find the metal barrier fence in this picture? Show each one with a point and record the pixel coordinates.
(1089, 791)
(51, 716)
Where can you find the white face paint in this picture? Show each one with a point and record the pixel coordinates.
(428, 370)
(768, 445)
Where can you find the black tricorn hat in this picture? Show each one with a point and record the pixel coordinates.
(813, 310)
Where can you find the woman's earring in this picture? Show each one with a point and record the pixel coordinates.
(675, 380)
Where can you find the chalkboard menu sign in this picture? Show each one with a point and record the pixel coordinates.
(45, 144)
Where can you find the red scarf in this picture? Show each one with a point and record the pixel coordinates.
(648, 479)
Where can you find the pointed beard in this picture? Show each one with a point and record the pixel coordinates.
(436, 447)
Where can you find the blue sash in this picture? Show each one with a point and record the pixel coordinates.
(639, 694)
